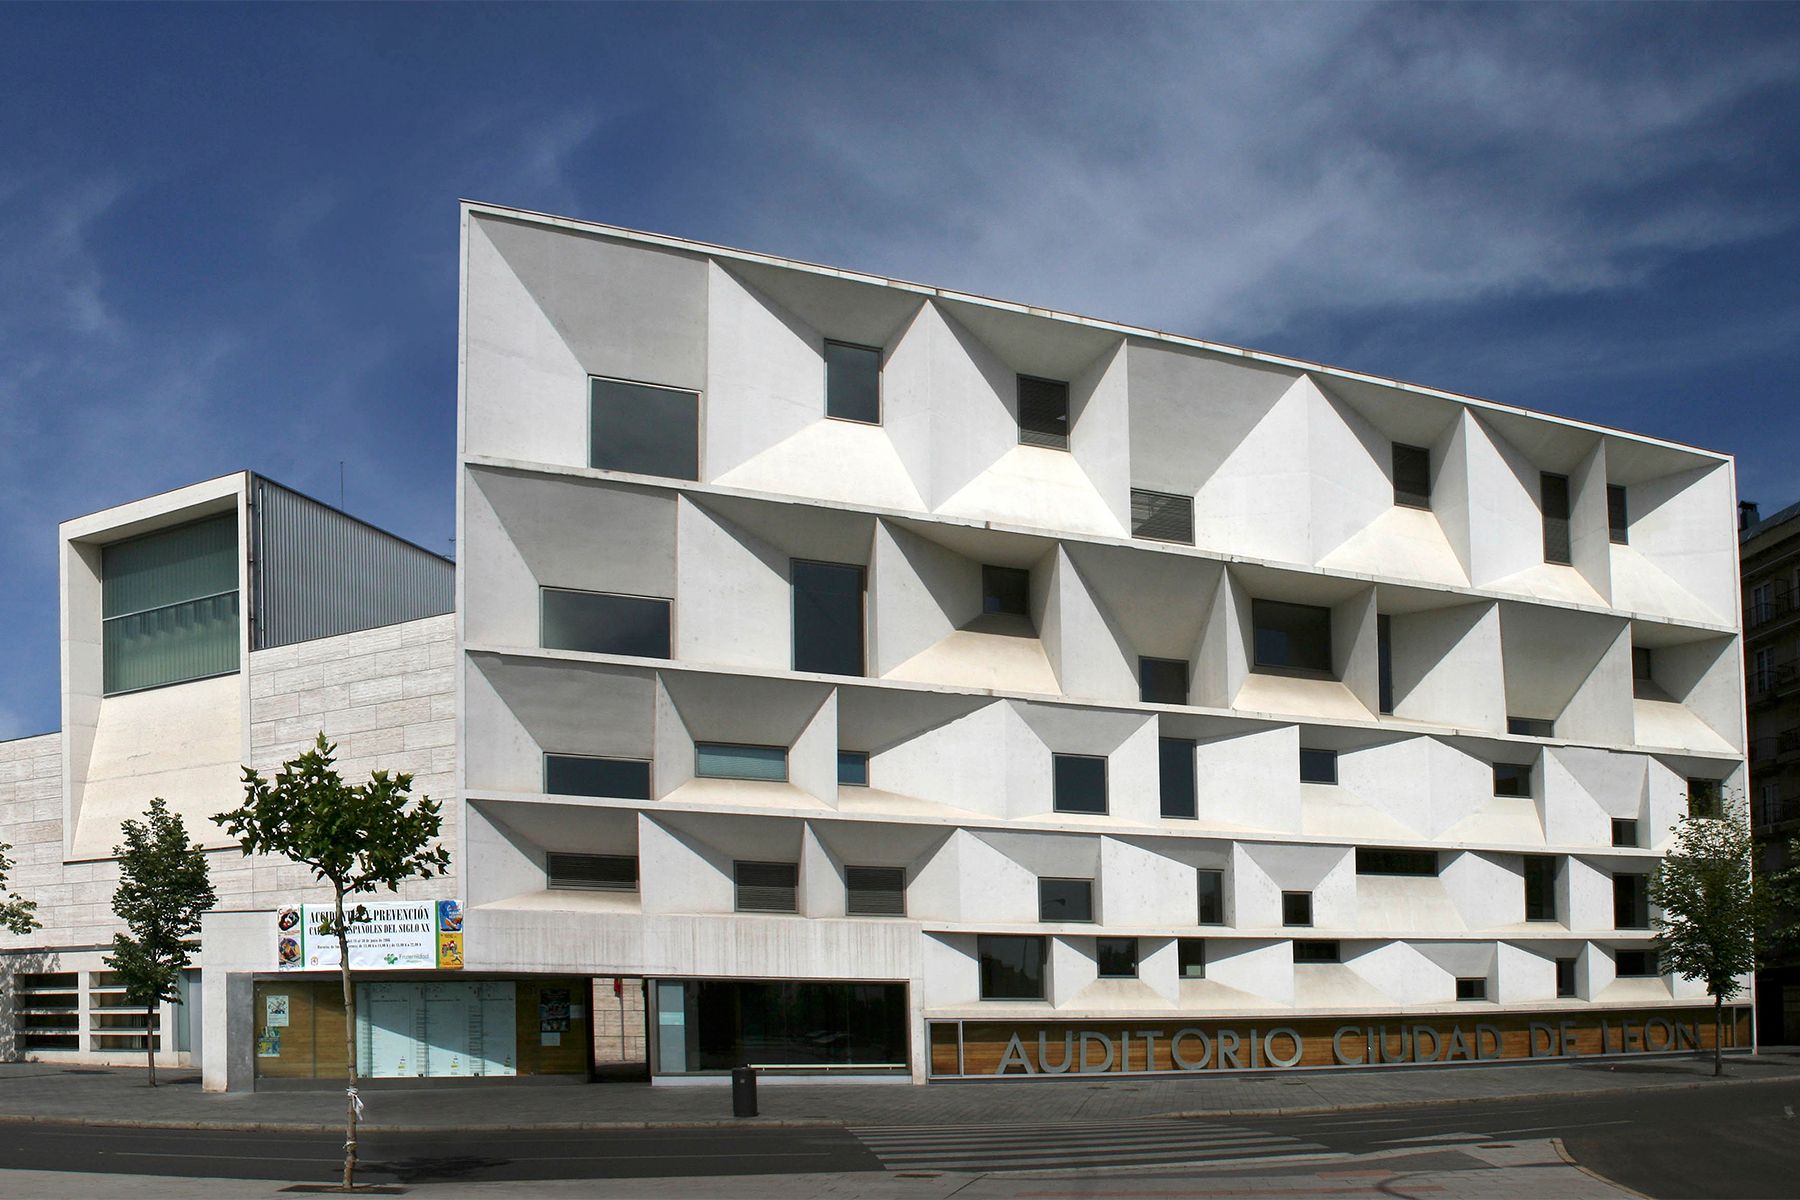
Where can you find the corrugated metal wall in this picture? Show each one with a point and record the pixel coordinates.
(316, 572)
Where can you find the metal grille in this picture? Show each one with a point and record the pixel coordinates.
(876, 891)
(592, 872)
(766, 886)
(1043, 412)
(1412, 476)
(1162, 516)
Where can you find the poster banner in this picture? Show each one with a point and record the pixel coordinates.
(385, 935)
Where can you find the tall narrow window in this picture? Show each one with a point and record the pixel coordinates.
(1211, 886)
(1043, 412)
(585, 775)
(1384, 662)
(1412, 476)
(1565, 978)
(643, 429)
(1618, 516)
(853, 383)
(601, 623)
(1175, 777)
(1631, 902)
(766, 886)
(1553, 499)
(1006, 590)
(1163, 680)
(1291, 637)
(1012, 967)
(1643, 673)
(1066, 900)
(169, 606)
(1540, 887)
(1079, 783)
(1190, 958)
(828, 617)
(1162, 516)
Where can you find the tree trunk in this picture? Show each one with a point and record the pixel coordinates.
(343, 937)
(1718, 1035)
(150, 1011)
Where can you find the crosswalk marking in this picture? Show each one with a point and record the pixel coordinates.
(1020, 1146)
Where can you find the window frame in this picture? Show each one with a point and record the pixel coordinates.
(1068, 413)
(1649, 957)
(1056, 798)
(850, 910)
(1190, 951)
(1573, 991)
(1151, 499)
(649, 765)
(1622, 825)
(668, 603)
(1471, 989)
(1618, 515)
(1184, 749)
(1522, 773)
(1037, 941)
(1315, 752)
(1101, 947)
(1152, 663)
(1370, 861)
(1409, 498)
(786, 764)
(1200, 898)
(1260, 666)
(738, 885)
(550, 875)
(862, 616)
(1547, 864)
(699, 397)
(1294, 898)
(861, 756)
(1045, 919)
(1384, 664)
(987, 591)
(1639, 916)
(880, 380)
(1567, 504)
(1526, 726)
(1323, 952)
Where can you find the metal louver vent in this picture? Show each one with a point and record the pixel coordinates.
(766, 886)
(876, 891)
(1043, 412)
(1162, 516)
(592, 872)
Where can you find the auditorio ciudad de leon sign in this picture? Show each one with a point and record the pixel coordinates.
(988, 1048)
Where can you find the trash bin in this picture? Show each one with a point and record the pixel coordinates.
(743, 1091)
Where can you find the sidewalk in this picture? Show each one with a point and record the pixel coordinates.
(105, 1096)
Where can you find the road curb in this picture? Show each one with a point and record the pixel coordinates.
(1562, 1152)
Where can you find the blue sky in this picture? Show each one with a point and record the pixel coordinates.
(228, 234)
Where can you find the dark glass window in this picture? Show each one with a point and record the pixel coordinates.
(1175, 776)
(1163, 680)
(875, 891)
(853, 768)
(766, 886)
(1296, 908)
(592, 872)
(1117, 958)
(1618, 516)
(1371, 861)
(1318, 952)
(601, 623)
(1318, 766)
(1211, 886)
(646, 430)
(1530, 727)
(1065, 900)
(1631, 902)
(1704, 799)
(1471, 989)
(1006, 590)
(723, 760)
(1012, 966)
(853, 383)
(1636, 964)
(1540, 887)
(1162, 516)
(169, 605)
(828, 617)
(1384, 662)
(1412, 476)
(1291, 637)
(1643, 665)
(1553, 494)
(1565, 977)
(1624, 831)
(1043, 412)
(729, 1022)
(1190, 958)
(1512, 779)
(1080, 783)
(582, 775)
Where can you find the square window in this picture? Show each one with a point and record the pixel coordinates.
(1553, 500)
(1565, 978)
(1318, 952)
(1175, 777)
(1190, 958)
(591, 872)
(853, 383)
(1066, 900)
(1705, 799)
(1471, 989)
(585, 775)
(602, 623)
(1116, 958)
(1043, 412)
(1012, 966)
(1412, 476)
(1291, 637)
(1296, 908)
(1540, 887)
(1512, 779)
(643, 429)
(1318, 766)
(1163, 680)
(1624, 831)
(1006, 590)
(722, 760)
(1530, 727)
(1618, 515)
(853, 768)
(1080, 783)
(1636, 964)
(1631, 901)
(1162, 516)
(766, 886)
(828, 617)
(875, 891)
(1211, 885)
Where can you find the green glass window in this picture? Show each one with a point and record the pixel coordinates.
(169, 605)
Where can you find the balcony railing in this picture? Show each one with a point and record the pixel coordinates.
(1775, 810)
(1766, 678)
(1779, 603)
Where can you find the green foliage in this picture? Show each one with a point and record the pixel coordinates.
(1712, 910)
(164, 887)
(17, 914)
(1780, 886)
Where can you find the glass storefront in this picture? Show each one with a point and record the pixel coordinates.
(713, 1025)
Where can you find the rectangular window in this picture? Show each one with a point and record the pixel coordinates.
(722, 760)
(169, 606)
(875, 891)
(1116, 958)
(766, 886)
(1291, 637)
(1705, 799)
(1012, 966)
(1006, 590)
(1471, 989)
(1631, 902)
(643, 429)
(1065, 900)
(853, 768)
(1412, 476)
(1318, 766)
(585, 775)
(1211, 886)
(1540, 887)
(1384, 663)
(1371, 861)
(1636, 964)
(1618, 516)
(1553, 495)
(591, 872)
(1296, 908)
(1175, 777)
(828, 617)
(1162, 516)
(1043, 412)
(1318, 952)
(1163, 680)
(1530, 727)
(1190, 958)
(853, 383)
(1079, 783)
(1624, 831)
(1565, 978)
(602, 623)
(1512, 779)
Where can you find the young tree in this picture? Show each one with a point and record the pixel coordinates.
(17, 914)
(357, 838)
(163, 888)
(1711, 908)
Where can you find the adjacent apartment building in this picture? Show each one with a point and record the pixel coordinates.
(910, 684)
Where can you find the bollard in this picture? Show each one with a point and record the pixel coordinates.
(743, 1091)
